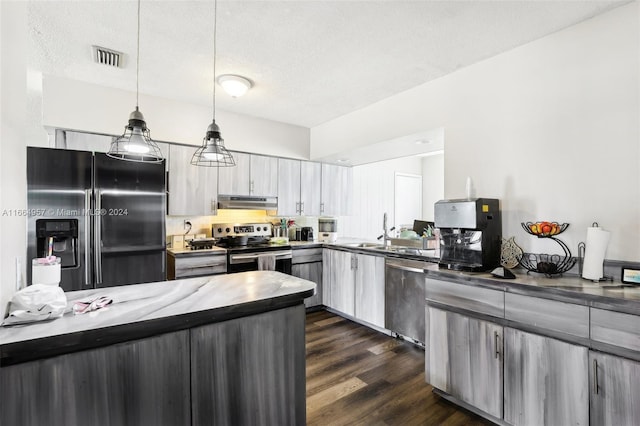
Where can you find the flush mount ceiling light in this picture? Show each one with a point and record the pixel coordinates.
(135, 144)
(212, 153)
(235, 85)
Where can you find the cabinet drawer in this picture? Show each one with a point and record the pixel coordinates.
(194, 266)
(306, 255)
(615, 328)
(470, 298)
(547, 314)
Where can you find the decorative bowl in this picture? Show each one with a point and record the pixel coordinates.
(544, 229)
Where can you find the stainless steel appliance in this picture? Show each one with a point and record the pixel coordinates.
(63, 235)
(117, 208)
(306, 233)
(248, 247)
(404, 298)
(470, 233)
(327, 229)
(247, 202)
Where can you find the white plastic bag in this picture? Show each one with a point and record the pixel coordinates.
(37, 302)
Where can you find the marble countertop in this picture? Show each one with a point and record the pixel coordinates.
(570, 289)
(142, 310)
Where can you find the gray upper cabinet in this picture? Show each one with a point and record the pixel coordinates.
(235, 180)
(192, 190)
(289, 187)
(310, 188)
(369, 290)
(464, 359)
(252, 175)
(337, 188)
(546, 381)
(299, 186)
(263, 176)
(614, 390)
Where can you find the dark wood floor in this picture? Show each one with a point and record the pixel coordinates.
(358, 376)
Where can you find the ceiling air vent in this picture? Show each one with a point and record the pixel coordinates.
(108, 57)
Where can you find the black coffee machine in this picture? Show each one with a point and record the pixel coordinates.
(470, 233)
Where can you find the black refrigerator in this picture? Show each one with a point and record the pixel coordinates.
(103, 217)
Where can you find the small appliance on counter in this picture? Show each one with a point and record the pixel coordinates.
(470, 233)
(306, 233)
(327, 229)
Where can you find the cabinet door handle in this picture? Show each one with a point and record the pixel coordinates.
(251, 186)
(298, 207)
(497, 349)
(213, 205)
(321, 207)
(302, 207)
(596, 388)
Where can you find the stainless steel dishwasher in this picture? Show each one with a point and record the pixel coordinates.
(405, 298)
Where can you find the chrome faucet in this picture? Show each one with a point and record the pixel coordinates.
(386, 231)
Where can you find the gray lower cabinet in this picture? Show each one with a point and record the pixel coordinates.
(354, 285)
(369, 289)
(249, 371)
(143, 382)
(195, 265)
(615, 390)
(464, 359)
(312, 272)
(192, 190)
(338, 281)
(546, 381)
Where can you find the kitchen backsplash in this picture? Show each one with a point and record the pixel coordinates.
(202, 224)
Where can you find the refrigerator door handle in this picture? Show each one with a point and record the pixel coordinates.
(87, 236)
(97, 237)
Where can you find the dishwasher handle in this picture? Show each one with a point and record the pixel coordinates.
(405, 267)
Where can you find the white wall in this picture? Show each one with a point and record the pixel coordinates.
(77, 105)
(13, 139)
(432, 184)
(550, 128)
(373, 195)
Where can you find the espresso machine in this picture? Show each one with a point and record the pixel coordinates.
(470, 233)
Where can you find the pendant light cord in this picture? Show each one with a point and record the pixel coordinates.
(138, 59)
(215, 28)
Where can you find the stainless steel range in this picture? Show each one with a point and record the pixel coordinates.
(248, 247)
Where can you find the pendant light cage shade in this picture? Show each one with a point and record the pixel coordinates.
(135, 144)
(213, 153)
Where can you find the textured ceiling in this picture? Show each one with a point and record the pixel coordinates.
(311, 61)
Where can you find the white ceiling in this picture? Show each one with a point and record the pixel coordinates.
(311, 61)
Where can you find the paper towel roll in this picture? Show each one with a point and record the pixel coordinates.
(596, 246)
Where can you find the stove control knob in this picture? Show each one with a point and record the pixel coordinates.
(258, 228)
(227, 230)
(219, 230)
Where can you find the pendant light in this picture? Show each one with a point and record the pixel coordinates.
(212, 153)
(135, 144)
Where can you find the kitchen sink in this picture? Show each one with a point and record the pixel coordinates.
(365, 245)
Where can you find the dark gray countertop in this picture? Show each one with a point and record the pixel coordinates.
(143, 310)
(570, 289)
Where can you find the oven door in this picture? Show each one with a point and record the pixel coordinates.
(242, 262)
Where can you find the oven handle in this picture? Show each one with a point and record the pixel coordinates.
(246, 258)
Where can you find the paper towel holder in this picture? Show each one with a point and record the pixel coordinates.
(582, 247)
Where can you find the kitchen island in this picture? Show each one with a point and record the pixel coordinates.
(225, 349)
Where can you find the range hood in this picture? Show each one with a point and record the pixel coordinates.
(247, 202)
